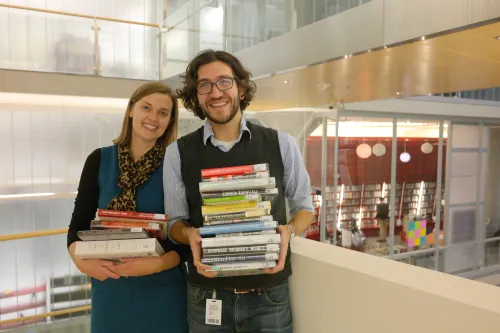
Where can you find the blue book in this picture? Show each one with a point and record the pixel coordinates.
(238, 227)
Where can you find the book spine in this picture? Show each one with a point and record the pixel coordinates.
(131, 215)
(240, 227)
(263, 218)
(228, 185)
(237, 215)
(243, 272)
(216, 194)
(233, 208)
(240, 240)
(112, 249)
(231, 199)
(242, 249)
(242, 266)
(240, 258)
(248, 233)
(234, 170)
(263, 174)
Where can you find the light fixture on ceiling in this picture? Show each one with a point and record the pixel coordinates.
(405, 157)
(345, 57)
(364, 150)
(497, 37)
(379, 149)
(369, 50)
(399, 93)
(423, 37)
(385, 47)
(426, 148)
(286, 81)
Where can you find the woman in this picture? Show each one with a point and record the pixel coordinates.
(143, 294)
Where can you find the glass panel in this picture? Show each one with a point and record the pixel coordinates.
(416, 178)
(128, 51)
(37, 277)
(45, 42)
(363, 189)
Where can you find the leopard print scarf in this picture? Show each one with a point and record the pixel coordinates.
(133, 174)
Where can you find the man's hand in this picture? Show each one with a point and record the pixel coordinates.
(285, 233)
(139, 266)
(193, 234)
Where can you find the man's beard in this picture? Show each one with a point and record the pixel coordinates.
(234, 110)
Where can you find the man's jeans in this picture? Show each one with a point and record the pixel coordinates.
(267, 310)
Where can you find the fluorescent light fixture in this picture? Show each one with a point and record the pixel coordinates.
(25, 195)
(383, 191)
(420, 197)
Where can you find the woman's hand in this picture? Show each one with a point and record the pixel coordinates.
(146, 266)
(96, 268)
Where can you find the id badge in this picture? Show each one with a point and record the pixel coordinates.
(213, 311)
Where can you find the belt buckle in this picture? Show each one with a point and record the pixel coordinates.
(243, 291)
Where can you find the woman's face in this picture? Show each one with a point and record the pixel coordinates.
(151, 116)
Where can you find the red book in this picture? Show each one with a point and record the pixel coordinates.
(131, 215)
(234, 170)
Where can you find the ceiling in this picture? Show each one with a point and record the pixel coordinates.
(458, 61)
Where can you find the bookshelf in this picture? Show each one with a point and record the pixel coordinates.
(360, 202)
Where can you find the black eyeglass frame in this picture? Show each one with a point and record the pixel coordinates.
(216, 83)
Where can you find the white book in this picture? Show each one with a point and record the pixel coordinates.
(114, 249)
(242, 266)
(240, 240)
(244, 184)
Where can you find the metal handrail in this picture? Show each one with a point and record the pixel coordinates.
(58, 12)
(45, 315)
(33, 234)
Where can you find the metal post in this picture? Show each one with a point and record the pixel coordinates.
(324, 142)
(335, 179)
(479, 222)
(97, 65)
(438, 195)
(393, 184)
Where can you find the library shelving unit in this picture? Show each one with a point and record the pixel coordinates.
(360, 202)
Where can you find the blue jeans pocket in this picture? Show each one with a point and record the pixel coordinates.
(277, 295)
(196, 294)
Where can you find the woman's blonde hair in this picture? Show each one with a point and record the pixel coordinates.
(144, 90)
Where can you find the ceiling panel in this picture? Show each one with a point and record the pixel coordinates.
(464, 60)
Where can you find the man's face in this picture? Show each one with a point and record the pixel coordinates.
(223, 102)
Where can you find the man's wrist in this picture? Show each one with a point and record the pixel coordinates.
(291, 230)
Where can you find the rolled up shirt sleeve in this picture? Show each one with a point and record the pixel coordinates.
(296, 178)
(175, 191)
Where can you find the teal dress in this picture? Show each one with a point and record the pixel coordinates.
(153, 303)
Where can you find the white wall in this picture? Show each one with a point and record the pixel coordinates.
(339, 290)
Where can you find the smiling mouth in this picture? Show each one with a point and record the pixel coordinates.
(218, 104)
(152, 128)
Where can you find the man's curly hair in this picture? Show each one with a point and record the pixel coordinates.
(188, 93)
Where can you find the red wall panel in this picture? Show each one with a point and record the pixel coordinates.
(375, 169)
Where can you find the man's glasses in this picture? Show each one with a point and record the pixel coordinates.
(205, 88)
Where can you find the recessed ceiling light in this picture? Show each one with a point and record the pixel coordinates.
(345, 57)
(286, 81)
(385, 47)
(369, 50)
(497, 37)
(423, 37)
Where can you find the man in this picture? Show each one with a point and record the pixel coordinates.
(218, 88)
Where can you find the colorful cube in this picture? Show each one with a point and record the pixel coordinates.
(417, 233)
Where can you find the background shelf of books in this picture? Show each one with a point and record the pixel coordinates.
(360, 202)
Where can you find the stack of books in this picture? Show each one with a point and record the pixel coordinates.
(239, 233)
(121, 234)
